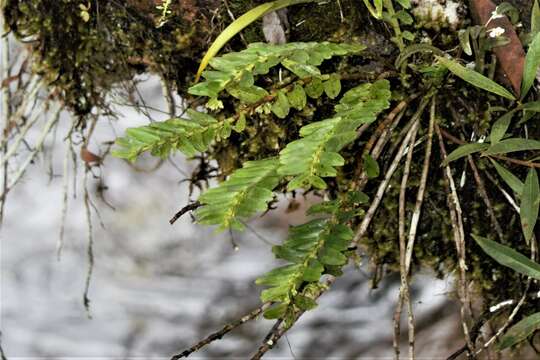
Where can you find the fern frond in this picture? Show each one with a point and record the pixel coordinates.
(312, 249)
(161, 138)
(247, 191)
(316, 154)
(234, 72)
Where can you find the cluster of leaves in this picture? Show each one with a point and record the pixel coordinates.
(307, 159)
(319, 246)
(235, 72)
(312, 249)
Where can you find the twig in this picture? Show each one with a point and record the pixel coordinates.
(6, 109)
(169, 98)
(362, 228)
(379, 138)
(278, 330)
(185, 209)
(22, 169)
(454, 208)
(219, 334)
(2, 354)
(65, 190)
(485, 198)
(90, 247)
(404, 287)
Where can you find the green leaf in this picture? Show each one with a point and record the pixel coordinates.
(508, 257)
(499, 128)
(404, 17)
(316, 154)
(281, 106)
(297, 97)
(312, 249)
(520, 332)
(239, 24)
(511, 145)
(247, 191)
(465, 150)
(407, 35)
(234, 72)
(464, 41)
(406, 4)
(532, 61)
(370, 166)
(189, 136)
(305, 303)
(475, 78)
(530, 200)
(332, 86)
(535, 18)
(510, 179)
(276, 311)
(301, 70)
(240, 124)
(315, 88)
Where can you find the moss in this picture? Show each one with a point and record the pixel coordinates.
(84, 58)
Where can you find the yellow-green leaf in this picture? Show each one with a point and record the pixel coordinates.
(475, 78)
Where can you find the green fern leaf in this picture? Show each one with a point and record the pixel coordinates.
(316, 154)
(162, 138)
(233, 72)
(247, 191)
(311, 249)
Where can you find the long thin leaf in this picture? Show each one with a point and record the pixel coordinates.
(521, 331)
(532, 61)
(510, 179)
(511, 145)
(239, 24)
(535, 18)
(465, 150)
(529, 204)
(500, 127)
(508, 257)
(475, 78)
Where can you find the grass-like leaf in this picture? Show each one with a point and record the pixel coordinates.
(510, 179)
(500, 126)
(475, 78)
(520, 332)
(508, 257)
(532, 61)
(465, 150)
(512, 145)
(530, 198)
